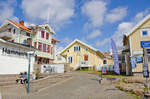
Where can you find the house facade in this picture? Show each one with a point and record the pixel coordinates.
(41, 38)
(133, 49)
(79, 55)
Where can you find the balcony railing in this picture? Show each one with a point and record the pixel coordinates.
(84, 64)
(6, 35)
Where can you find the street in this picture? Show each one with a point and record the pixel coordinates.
(79, 86)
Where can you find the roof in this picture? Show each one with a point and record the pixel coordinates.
(76, 40)
(55, 40)
(46, 25)
(107, 54)
(139, 24)
(20, 26)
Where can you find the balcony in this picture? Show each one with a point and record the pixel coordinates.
(84, 64)
(6, 35)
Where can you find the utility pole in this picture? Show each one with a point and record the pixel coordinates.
(29, 56)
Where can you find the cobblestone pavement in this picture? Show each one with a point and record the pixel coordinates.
(79, 86)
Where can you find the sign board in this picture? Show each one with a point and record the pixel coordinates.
(145, 70)
(137, 52)
(139, 59)
(145, 44)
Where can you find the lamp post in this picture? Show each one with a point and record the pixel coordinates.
(28, 85)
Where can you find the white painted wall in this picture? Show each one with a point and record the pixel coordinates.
(13, 64)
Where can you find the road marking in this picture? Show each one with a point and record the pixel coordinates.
(53, 85)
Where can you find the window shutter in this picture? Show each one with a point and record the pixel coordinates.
(47, 36)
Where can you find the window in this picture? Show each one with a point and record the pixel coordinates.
(76, 48)
(145, 32)
(25, 41)
(12, 40)
(69, 59)
(42, 34)
(28, 34)
(85, 57)
(86, 49)
(67, 50)
(14, 31)
(44, 47)
(47, 36)
(9, 30)
(48, 48)
(35, 44)
(51, 50)
(148, 58)
(59, 58)
(104, 62)
(40, 46)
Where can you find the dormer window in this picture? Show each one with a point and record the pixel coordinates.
(86, 49)
(145, 33)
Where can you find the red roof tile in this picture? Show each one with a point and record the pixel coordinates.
(55, 40)
(20, 25)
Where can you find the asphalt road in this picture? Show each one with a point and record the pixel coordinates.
(80, 86)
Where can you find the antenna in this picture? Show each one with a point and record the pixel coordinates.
(48, 16)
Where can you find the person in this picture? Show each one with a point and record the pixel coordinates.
(101, 77)
(33, 76)
(20, 78)
(25, 77)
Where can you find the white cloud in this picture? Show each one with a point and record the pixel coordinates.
(116, 14)
(7, 10)
(102, 43)
(66, 41)
(95, 10)
(126, 27)
(55, 12)
(139, 16)
(59, 49)
(94, 34)
(122, 29)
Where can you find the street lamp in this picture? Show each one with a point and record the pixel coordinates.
(29, 56)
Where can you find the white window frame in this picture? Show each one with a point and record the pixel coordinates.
(70, 59)
(148, 33)
(76, 48)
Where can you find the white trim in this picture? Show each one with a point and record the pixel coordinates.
(139, 24)
(46, 25)
(76, 40)
(130, 46)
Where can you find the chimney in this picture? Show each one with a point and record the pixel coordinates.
(22, 22)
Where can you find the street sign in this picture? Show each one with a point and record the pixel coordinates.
(145, 70)
(145, 44)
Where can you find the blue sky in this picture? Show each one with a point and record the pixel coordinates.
(94, 22)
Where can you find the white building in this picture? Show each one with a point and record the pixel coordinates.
(41, 38)
(14, 57)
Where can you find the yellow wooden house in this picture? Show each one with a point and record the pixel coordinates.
(80, 55)
(132, 44)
